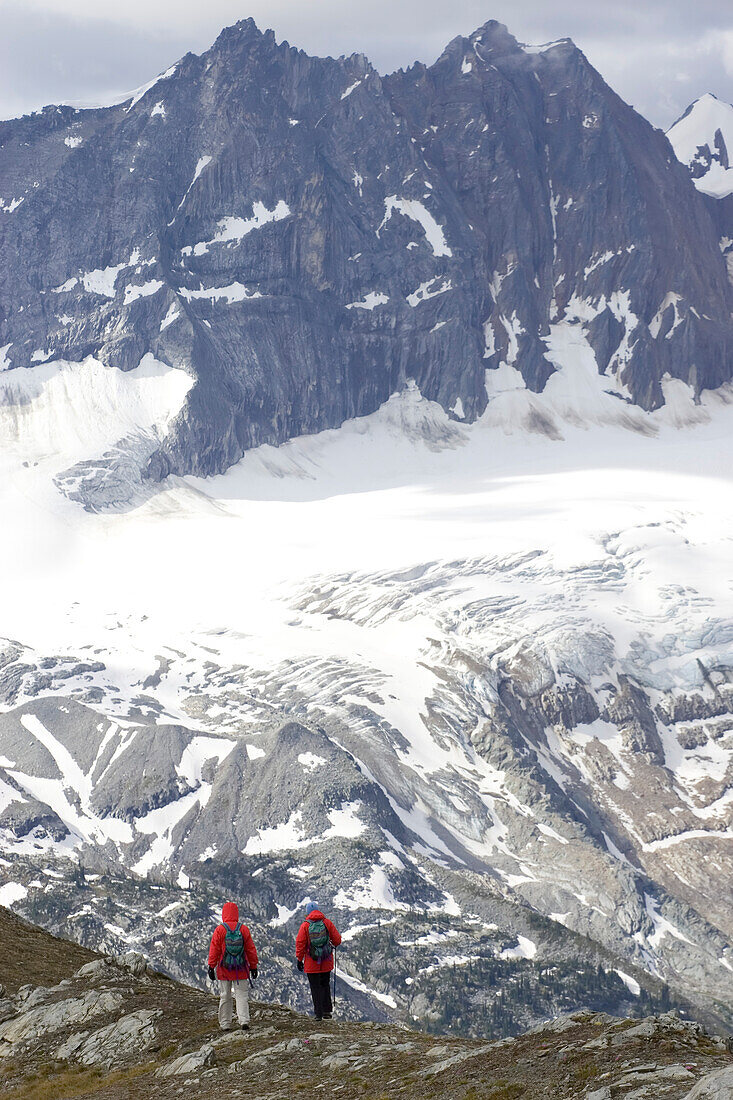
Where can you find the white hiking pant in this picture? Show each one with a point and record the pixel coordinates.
(241, 997)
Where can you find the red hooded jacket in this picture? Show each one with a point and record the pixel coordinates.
(302, 940)
(217, 950)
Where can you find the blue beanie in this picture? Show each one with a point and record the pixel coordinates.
(310, 908)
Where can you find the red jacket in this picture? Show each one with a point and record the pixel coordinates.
(302, 941)
(230, 916)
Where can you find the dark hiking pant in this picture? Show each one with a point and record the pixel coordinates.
(321, 993)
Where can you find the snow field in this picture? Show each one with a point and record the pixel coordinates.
(234, 292)
(231, 229)
(417, 212)
(11, 893)
(61, 412)
(290, 836)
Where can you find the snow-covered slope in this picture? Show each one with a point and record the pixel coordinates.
(703, 139)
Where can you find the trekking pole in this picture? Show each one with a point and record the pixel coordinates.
(334, 977)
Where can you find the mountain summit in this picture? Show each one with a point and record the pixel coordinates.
(303, 237)
(703, 139)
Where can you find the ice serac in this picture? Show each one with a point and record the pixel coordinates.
(229, 220)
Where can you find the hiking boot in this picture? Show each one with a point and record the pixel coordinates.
(328, 1015)
(245, 1027)
(317, 1017)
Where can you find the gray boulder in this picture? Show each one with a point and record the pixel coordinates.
(189, 1063)
(106, 1046)
(133, 962)
(715, 1086)
(99, 968)
(41, 1020)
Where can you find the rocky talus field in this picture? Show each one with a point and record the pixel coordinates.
(112, 1027)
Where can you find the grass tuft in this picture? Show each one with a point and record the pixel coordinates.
(70, 1082)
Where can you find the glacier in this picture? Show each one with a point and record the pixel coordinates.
(480, 619)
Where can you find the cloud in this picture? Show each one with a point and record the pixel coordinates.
(51, 58)
(660, 78)
(658, 54)
(726, 45)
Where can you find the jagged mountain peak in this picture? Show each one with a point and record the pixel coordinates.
(496, 39)
(243, 32)
(493, 41)
(702, 138)
(493, 36)
(397, 230)
(709, 103)
(246, 35)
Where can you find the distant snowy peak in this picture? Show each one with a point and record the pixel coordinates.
(703, 140)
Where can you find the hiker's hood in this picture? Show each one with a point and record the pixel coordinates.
(315, 914)
(230, 913)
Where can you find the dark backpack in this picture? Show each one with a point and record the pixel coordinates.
(234, 957)
(319, 941)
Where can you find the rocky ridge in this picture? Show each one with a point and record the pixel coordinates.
(115, 1028)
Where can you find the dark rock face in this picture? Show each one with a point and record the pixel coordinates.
(304, 236)
(707, 156)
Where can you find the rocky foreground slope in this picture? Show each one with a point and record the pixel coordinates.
(112, 1027)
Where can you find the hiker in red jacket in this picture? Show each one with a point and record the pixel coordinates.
(234, 955)
(314, 944)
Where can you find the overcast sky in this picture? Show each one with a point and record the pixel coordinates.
(658, 54)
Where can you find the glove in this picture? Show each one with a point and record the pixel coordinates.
(253, 973)
(301, 965)
(212, 974)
